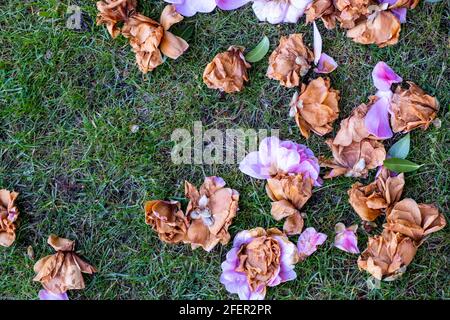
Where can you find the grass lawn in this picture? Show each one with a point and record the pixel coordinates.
(68, 99)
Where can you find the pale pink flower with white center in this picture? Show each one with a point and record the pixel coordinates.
(346, 238)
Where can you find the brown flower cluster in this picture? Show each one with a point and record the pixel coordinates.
(149, 39)
(367, 21)
(227, 71)
(63, 270)
(260, 259)
(407, 224)
(289, 194)
(290, 61)
(316, 107)
(209, 214)
(8, 216)
(354, 150)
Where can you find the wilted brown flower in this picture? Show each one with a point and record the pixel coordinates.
(289, 193)
(316, 108)
(412, 108)
(261, 258)
(227, 71)
(372, 200)
(167, 219)
(387, 255)
(149, 38)
(413, 220)
(62, 271)
(353, 128)
(112, 12)
(8, 215)
(211, 210)
(350, 11)
(355, 159)
(381, 28)
(323, 9)
(290, 61)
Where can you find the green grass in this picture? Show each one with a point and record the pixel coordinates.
(68, 98)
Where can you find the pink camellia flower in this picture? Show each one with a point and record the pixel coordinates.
(257, 260)
(383, 76)
(188, 8)
(324, 63)
(346, 238)
(308, 241)
(281, 157)
(48, 295)
(272, 11)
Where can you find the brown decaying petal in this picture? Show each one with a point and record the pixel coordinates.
(221, 206)
(289, 193)
(293, 224)
(290, 61)
(412, 108)
(150, 39)
(227, 71)
(351, 11)
(112, 12)
(316, 108)
(167, 219)
(354, 160)
(323, 9)
(413, 220)
(260, 258)
(353, 129)
(7, 210)
(381, 28)
(387, 255)
(61, 271)
(372, 200)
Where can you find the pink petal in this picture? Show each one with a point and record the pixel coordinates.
(326, 64)
(48, 295)
(346, 239)
(271, 11)
(231, 4)
(252, 166)
(294, 12)
(377, 120)
(309, 240)
(188, 8)
(317, 43)
(383, 76)
(400, 13)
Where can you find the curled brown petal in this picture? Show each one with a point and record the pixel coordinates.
(173, 46)
(169, 17)
(112, 12)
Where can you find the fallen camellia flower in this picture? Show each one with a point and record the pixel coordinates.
(308, 242)
(48, 295)
(381, 27)
(290, 61)
(167, 219)
(8, 216)
(149, 38)
(323, 9)
(413, 220)
(113, 12)
(354, 160)
(211, 210)
(258, 259)
(188, 8)
(316, 108)
(372, 200)
(227, 71)
(346, 238)
(272, 11)
(412, 108)
(276, 157)
(61, 271)
(387, 255)
(351, 11)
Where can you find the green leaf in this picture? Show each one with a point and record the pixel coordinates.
(259, 51)
(401, 165)
(400, 149)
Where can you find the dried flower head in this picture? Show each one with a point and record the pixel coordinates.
(113, 12)
(8, 216)
(227, 71)
(290, 61)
